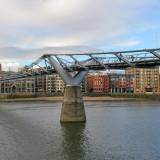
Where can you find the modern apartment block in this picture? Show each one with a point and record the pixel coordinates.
(97, 83)
(121, 83)
(109, 83)
(40, 84)
(58, 84)
(147, 80)
(49, 84)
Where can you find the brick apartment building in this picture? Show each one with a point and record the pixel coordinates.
(96, 83)
(121, 83)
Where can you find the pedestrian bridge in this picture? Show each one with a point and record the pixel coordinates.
(78, 62)
(72, 68)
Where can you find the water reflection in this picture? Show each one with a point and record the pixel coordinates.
(74, 141)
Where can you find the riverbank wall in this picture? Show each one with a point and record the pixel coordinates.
(43, 97)
(137, 96)
(12, 96)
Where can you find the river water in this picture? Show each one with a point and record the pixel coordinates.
(113, 131)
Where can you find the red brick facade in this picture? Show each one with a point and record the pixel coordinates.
(97, 84)
(120, 83)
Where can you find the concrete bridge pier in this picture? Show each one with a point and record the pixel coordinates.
(73, 106)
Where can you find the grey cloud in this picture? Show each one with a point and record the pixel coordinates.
(86, 19)
(38, 23)
(28, 24)
(31, 54)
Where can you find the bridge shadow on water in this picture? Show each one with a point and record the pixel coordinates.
(74, 142)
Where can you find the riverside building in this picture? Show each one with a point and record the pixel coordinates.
(58, 84)
(135, 80)
(19, 86)
(97, 83)
(147, 80)
(121, 83)
(49, 84)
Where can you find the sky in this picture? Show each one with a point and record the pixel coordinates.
(108, 25)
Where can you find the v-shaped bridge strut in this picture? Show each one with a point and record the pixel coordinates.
(73, 106)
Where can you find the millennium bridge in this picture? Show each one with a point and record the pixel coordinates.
(72, 68)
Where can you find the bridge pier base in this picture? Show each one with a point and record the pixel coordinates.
(73, 106)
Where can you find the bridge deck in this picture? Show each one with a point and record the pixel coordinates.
(89, 61)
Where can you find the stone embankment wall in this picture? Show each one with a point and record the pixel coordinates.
(8, 96)
(138, 96)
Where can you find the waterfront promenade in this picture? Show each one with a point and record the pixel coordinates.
(60, 99)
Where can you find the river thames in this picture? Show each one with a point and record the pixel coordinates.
(124, 130)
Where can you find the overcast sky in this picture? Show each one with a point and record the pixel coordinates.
(103, 24)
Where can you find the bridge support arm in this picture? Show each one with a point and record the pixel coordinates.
(66, 77)
(73, 106)
(62, 73)
(96, 60)
(155, 54)
(121, 57)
